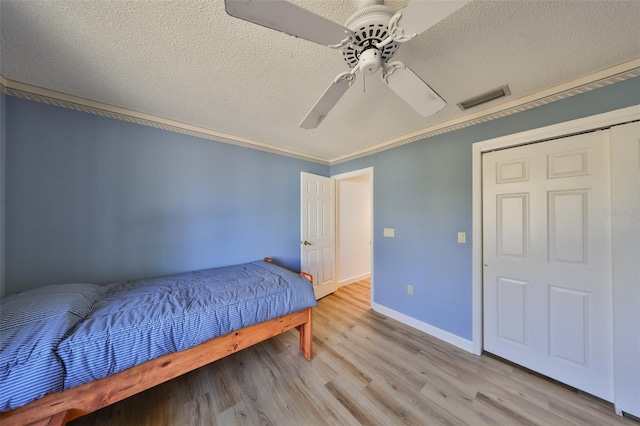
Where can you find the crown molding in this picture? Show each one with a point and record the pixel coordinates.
(593, 81)
(63, 100)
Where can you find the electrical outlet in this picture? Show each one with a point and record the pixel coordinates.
(462, 238)
(410, 290)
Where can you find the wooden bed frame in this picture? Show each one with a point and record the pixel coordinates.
(62, 407)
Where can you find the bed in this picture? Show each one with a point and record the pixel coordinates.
(68, 350)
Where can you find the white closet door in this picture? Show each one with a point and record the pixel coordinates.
(625, 215)
(547, 254)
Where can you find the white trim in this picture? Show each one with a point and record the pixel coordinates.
(368, 171)
(593, 81)
(436, 332)
(51, 97)
(536, 135)
(353, 280)
(355, 173)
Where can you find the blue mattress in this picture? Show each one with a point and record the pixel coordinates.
(127, 323)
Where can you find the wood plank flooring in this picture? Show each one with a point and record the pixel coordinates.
(367, 369)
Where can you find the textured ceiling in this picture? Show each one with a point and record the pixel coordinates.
(189, 61)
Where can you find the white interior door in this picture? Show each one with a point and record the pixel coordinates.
(547, 290)
(318, 233)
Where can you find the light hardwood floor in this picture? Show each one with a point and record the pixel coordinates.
(367, 369)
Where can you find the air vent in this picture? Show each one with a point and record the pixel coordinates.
(486, 97)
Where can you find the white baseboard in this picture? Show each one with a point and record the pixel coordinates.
(353, 280)
(464, 344)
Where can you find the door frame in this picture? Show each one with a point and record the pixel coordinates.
(348, 175)
(568, 128)
(3, 172)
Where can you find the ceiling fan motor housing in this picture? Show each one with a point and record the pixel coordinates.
(370, 61)
(370, 25)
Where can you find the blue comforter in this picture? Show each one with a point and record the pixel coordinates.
(59, 337)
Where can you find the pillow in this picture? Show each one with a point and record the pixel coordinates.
(32, 324)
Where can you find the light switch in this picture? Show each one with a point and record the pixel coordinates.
(462, 238)
(389, 232)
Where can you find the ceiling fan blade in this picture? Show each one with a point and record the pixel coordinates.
(420, 15)
(412, 89)
(289, 18)
(328, 100)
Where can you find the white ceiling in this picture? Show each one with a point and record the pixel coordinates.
(189, 61)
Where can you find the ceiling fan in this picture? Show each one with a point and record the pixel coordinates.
(368, 40)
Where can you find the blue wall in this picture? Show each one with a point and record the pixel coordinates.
(424, 191)
(92, 199)
(96, 200)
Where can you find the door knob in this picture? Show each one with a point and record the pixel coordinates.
(306, 243)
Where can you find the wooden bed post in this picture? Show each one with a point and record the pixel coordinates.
(306, 328)
(59, 419)
(306, 336)
(306, 332)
